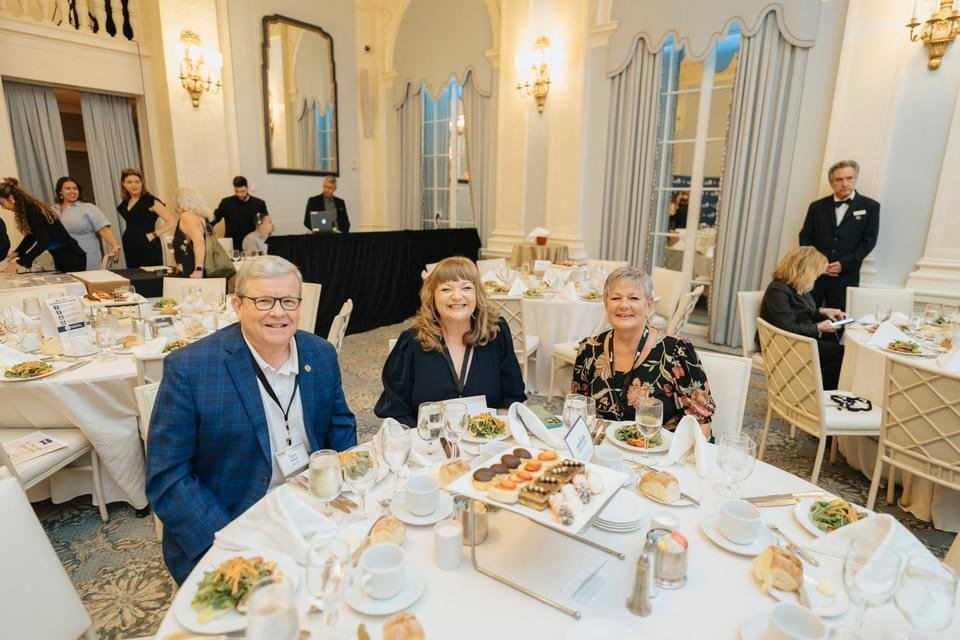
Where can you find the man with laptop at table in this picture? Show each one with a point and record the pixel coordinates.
(326, 212)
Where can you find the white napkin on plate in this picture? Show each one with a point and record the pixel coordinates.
(517, 288)
(686, 436)
(569, 292)
(555, 278)
(887, 333)
(490, 276)
(281, 521)
(521, 420)
(10, 356)
(150, 347)
(23, 319)
(868, 319)
(880, 530)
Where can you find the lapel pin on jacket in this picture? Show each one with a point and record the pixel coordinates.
(307, 368)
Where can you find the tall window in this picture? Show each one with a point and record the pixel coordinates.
(692, 123)
(446, 193)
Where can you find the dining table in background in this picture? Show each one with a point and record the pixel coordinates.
(14, 287)
(528, 252)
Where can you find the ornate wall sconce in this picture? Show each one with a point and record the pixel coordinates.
(937, 32)
(199, 68)
(537, 84)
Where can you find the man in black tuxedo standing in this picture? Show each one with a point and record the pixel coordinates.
(241, 211)
(844, 227)
(326, 201)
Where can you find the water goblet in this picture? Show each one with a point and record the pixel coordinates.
(525, 269)
(882, 313)
(325, 476)
(648, 414)
(359, 466)
(104, 336)
(590, 412)
(456, 421)
(430, 423)
(574, 406)
(932, 313)
(272, 610)
(870, 580)
(736, 457)
(395, 445)
(926, 593)
(328, 567)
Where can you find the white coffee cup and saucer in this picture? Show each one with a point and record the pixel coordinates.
(612, 458)
(785, 621)
(422, 502)
(78, 347)
(738, 527)
(384, 582)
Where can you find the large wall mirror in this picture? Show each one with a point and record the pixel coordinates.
(299, 98)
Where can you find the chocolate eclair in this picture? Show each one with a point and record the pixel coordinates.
(523, 454)
(483, 478)
(513, 462)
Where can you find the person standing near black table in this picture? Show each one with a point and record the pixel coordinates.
(844, 227)
(42, 231)
(326, 201)
(140, 209)
(239, 212)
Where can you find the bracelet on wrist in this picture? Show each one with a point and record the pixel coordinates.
(198, 269)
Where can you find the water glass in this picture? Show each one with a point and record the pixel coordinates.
(395, 445)
(105, 337)
(325, 476)
(926, 593)
(359, 466)
(430, 422)
(882, 313)
(736, 457)
(31, 307)
(590, 412)
(870, 579)
(525, 269)
(931, 313)
(574, 407)
(648, 414)
(328, 569)
(456, 420)
(272, 611)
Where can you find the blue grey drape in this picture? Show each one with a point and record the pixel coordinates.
(478, 132)
(37, 137)
(410, 128)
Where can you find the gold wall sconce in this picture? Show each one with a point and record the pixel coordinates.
(537, 84)
(936, 32)
(199, 68)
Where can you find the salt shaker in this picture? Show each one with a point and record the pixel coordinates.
(639, 602)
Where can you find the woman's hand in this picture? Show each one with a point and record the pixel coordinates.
(115, 252)
(196, 274)
(151, 239)
(12, 267)
(826, 326)
(833, 314)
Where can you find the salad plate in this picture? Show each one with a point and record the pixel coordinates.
(666, 437)
(46, 369)
(802, 512)
(481, 437)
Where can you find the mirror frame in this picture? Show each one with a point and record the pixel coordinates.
(265, 66)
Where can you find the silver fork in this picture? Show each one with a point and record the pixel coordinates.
(793, 546)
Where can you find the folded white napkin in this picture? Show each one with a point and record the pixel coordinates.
(517, 288)
(490, 276)
(898, 317)
(150, 347)
(21, 318)
(950, 361)
(885, 334)
(521, 420)
(10, 356)
(538, 232)
(868, 319)
(881, 531)
(686, 436)
(569, 292)
(281, 521)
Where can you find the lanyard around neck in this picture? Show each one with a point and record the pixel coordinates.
(273, 396)
(636, 357)
(458, 379)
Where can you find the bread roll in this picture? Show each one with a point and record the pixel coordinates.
(660, 485)
(403, 626)
(779, 568)
(451, 471)
(388, 530)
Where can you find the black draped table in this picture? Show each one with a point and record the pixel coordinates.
(380, 271)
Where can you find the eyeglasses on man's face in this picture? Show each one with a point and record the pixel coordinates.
(266, 303)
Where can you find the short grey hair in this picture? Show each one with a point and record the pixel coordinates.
(268, 267)
(331, 179)
(843, 164)
(636, 277)
(189, 199)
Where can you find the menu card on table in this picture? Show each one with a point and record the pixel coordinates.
(579, 441)
(64, 317)
(31, 446)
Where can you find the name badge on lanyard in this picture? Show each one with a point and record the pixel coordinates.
(292, 455)
(292, 459)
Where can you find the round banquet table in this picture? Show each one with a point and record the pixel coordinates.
(862, 373)
(529, 251)
(720, 593)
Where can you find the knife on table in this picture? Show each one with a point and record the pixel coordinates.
(784, 496)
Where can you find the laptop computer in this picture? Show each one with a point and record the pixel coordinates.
(321, 222)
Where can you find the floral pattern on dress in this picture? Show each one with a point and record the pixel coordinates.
(671, 372)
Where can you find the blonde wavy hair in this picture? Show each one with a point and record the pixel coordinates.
(800, 268)
(483, 326)
(189, 199)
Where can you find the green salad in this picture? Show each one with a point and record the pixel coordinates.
(630, 434)
(829, 515)
(485, 425)
(227, 587)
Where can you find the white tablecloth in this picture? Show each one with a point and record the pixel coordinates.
(719, 596)
(863, 374)
(556, 320)
(15, 287)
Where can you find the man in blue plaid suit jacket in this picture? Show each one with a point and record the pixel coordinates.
(215, 430)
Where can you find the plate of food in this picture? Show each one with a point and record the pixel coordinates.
(592, 296)
(537, 294)
(823, 515)
(486, 426)
(663, 487)
(28, 370)
(173, 345)
(905, 348)
(166, 307)
(781, 574)
(627, 436)
(218, 590)
(496, 288)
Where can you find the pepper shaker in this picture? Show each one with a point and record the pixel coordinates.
(639, 602)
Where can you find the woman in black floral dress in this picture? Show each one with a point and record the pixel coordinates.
(634, 359)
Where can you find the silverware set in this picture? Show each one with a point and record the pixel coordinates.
(782, 499)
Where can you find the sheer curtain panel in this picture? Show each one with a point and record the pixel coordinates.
(37, 137)
(410, 119)
(476, 118)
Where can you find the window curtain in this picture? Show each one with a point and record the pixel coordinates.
(111, 146)
(631, 157)
(410, 126)
(477, 133)
(41, 153)
(763, 132)
(307, 136)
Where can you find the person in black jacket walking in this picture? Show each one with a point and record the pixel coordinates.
(844, 227)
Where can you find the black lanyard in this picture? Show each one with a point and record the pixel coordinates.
(273, 396)
(461, 379)
(627, 377)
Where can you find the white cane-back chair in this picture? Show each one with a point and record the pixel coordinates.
(607, 265)
(865, 300)
(484, 266)
(149, 367)
(565, 353)
(795, 393)
(685, 307)
(310, 292)
(146, 397)
(668, 286)
(729, 380)
(525, 346)
(338, 328)
(920, 430)
(748, 304)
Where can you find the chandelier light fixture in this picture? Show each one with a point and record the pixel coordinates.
(199, 67)
(936, 32)
(537, 83)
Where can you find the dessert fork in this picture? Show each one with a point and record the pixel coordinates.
(793, 546)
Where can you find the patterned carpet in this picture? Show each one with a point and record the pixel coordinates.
(118, 570)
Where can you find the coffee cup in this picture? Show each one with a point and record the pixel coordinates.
(739, 521)
(77, 346)
(382, 571)
(789, 621)
(609, 457)
(422, 494)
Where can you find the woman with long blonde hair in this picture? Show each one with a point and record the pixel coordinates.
(458, 346)
(41, 229)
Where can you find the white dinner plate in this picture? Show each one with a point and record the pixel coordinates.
(624, 509)
(444, 509)
(712, 530)
(362, 603)
(801, 511)
(667, 437)
(4, 378)
(679, 502)
(823, 606)
(546, 296)
(232, 620)
(586, 299)
(755, 627)
(923, 352)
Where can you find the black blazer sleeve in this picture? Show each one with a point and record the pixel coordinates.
(807, 232)
(36, 241)
(343, 220)
(396, 401)
(4, 240)
(784, 308)
(306, 212)
(220, 211)
(512, 388)
(868, 240)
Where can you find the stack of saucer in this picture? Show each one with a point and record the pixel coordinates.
(623, 514)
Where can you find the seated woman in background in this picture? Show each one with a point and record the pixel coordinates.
(788, 305)
(140, 209)
(192, 232)
(633, 359)
(458, 347)
(85, 222)
(41, 231)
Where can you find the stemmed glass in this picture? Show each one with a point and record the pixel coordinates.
(325, 476)
(430, 423)
(328, 566)
(359, 466)
(882, 313)
(456, 420)
(31, 307)
(736, 457)
(395, 444)
(870, 579)
(649, 418)
(926, 593)
(272, 610)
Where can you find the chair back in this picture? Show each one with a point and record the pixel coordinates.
(483, 266)
(212, 290)
(227, 244)
(685, 307)
(107, 261)
(146, 396)
(310, 291)
(864, 300)
(794, 383)
(729, 380)
(920, 429)
(511, 310)
(669, 285)
(37, 599)
(748, 304)
(149, 367)
(338, 328)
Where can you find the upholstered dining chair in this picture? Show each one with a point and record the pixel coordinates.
(310, 292)
(146, 397)
(865, 300)
(227, 244)
(920, 429)
(729, 380)
(483, 266)
(685, 307)
(212, 290)
(748, 306)
(338, 328)
(795, 393)
(565, 354)
(41, 602)
(149, 367)
(525, 346)
(668, 286)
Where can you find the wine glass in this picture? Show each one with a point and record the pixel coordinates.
(882, 313)
(395, 444)
(736, 457)
(328, 566)
(870, 579)
(590, 412)
(430, 423)
(325, 476)
(931, 313)
(31, 307)
(359, 466)
(272, 610)
(648, 415)
(926, 593)
(456, 420)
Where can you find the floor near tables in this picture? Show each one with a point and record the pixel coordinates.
(118, 570)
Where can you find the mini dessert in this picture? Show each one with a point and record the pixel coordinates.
(594, 481)
(570, 497)
(483, 478)
(512, 461)
(501, 471)
(51, 346)
(565, 470)
(403, 626)
(582, 488)
(533, 466)
(451, 471)
(561, 510)
(505, 492)
(548, 458)
(131, 341)
(660, 485)
(389, 530)
(523, 454)
(534, 497)
(520, 478)
(779, 568)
